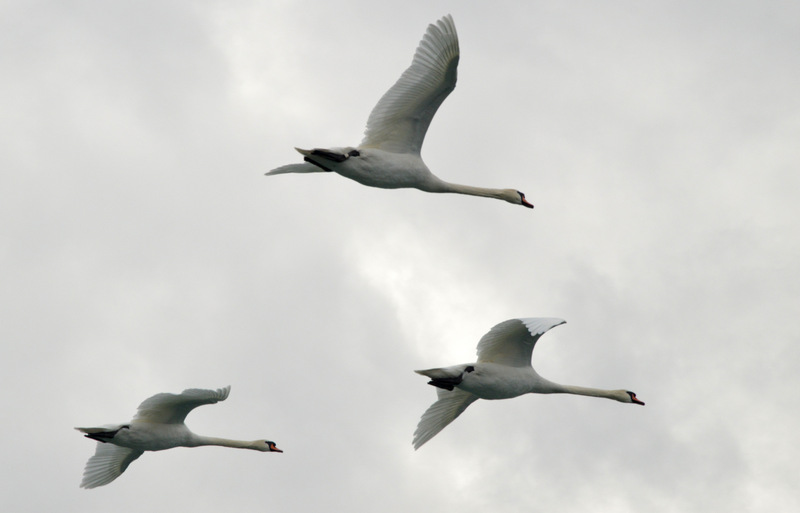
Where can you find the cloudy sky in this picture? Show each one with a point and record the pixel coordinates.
(143, 250)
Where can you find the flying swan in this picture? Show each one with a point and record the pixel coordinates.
(389, 155)
(503, 371)
(158, 425)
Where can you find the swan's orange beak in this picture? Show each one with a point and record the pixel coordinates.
(526, 204)
(274, 448)
(637, 401)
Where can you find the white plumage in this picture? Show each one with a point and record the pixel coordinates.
(503, 371)
(157, 425)
(389, 155)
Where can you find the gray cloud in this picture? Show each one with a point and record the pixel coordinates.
(144, 251)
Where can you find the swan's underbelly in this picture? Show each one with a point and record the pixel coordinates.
(152, 437)
(381, 178)
(497, 382)
(386, 170)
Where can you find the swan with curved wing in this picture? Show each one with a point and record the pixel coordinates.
(503, 371)
(389, 155)
(158, 425)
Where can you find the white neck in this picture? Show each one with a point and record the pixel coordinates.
(439, 185)
(592, 392)
(549, 387)
(198, 440)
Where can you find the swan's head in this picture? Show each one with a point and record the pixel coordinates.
(266, 446)
(626, 396)
(516, 197)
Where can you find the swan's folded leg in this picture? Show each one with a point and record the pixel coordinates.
(330, 155)
(312, 165)
(324, 168)
(446, 378)
(102, 434)
(317, 155)
(448, 406)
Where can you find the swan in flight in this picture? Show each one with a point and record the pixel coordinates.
(503, 370)
(158, 425)
(389, 155)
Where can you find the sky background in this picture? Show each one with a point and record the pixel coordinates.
(142, 250)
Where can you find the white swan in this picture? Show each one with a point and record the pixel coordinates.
(158, 425)
(389, 155)
(503, 370)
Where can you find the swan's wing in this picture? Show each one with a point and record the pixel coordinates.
(511, 342)
(400, 119)
(108, 462)
(448, 406)
(173, 408)
(295, 168)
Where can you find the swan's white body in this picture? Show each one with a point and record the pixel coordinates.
(389, 156)
(158, 425)
(503, 371)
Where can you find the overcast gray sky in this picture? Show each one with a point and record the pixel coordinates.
(143, 251)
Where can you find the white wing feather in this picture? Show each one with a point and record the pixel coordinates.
(449, 405)
(399, 121)
(295, 168)
(107, 464)
(511, 342)
(173, 408)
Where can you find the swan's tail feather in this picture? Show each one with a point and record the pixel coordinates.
(325, 159)
(440, 372)
(333, 156)
(446, 378)
(91, 430)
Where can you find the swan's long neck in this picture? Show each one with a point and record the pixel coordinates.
(198, 440)
(591, 392)
(439, 185)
